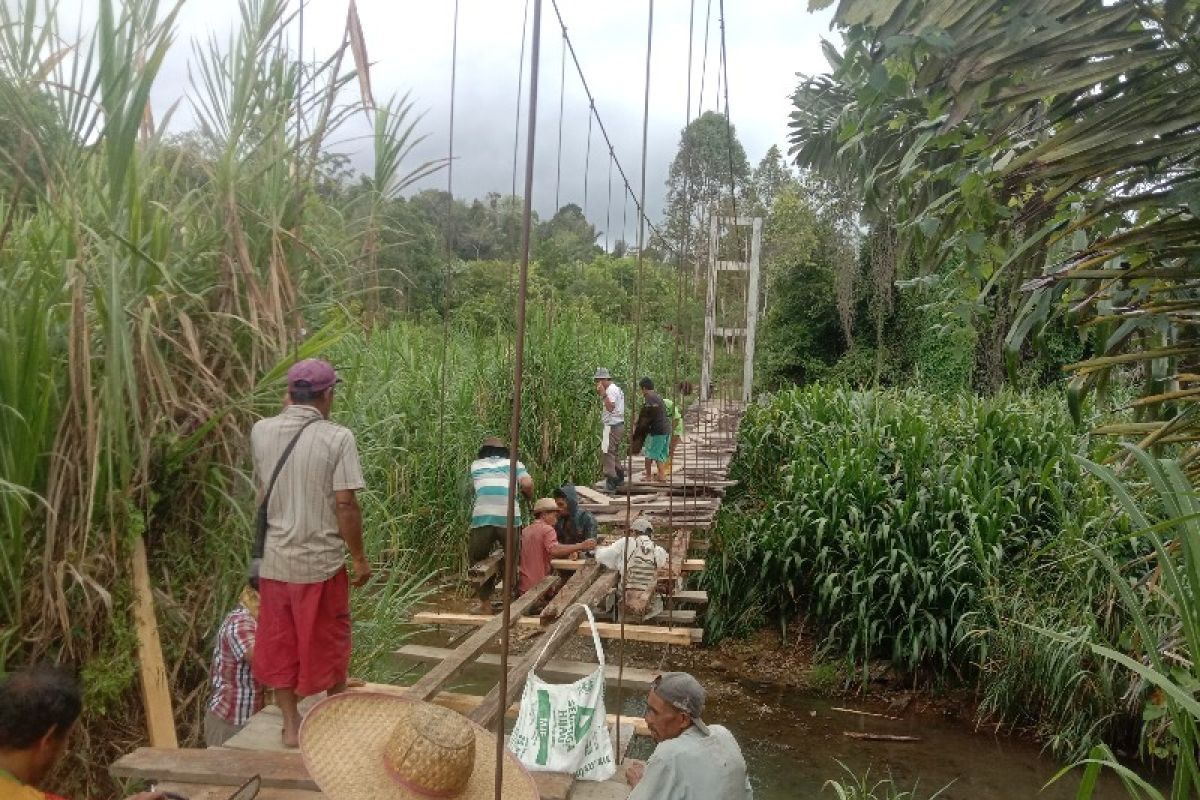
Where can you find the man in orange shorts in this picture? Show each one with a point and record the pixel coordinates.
(309, 471)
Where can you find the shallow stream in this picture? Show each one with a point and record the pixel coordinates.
(793, 743)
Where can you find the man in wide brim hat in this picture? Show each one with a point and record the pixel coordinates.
(376, 746)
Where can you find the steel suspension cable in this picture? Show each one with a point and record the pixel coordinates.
(514, 432)
(520, 88)
(449, 255)
(562, 85)
(608, 204)
(587, 158)
(704, 61)
(687, 115)
(600, 122)
(637, 346)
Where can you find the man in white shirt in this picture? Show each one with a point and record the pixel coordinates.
(692, 760)
(637, 558)
(612, 419)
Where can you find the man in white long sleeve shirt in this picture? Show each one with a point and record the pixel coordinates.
(637, 558)
(693, 761)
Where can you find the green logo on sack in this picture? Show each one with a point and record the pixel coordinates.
(543, 726)
(583, 722)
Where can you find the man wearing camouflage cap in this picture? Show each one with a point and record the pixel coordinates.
(693, 761)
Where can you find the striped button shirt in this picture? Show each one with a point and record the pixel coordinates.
(235, 695)
(303, 542)
(490, 478)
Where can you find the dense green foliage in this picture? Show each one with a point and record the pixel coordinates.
(1044, 158)
(887, 514)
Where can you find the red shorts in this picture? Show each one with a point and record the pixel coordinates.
(303, 640)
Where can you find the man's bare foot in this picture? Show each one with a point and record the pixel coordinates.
(485, 607)
(355, 683)
(291, 738)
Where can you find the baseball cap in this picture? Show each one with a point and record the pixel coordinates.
(685, 693)
(642, 525)
(311, 375)
(602, 375)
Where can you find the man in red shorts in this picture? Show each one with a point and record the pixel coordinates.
(313, 518)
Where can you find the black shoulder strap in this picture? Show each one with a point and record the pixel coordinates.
(283, 460)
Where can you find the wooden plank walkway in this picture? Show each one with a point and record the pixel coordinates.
(682, 509)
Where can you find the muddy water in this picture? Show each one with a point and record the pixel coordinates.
(793, 742)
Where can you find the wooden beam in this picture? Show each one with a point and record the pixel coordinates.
(607, 630)
(217, 766)
(593, 496)
(156, 689)
(698, 598)
(466, 703)
(571, 590)
(543, 646)
(208, 791)
(481, 571)
(432, 681)
(689, 565)
(560, 670)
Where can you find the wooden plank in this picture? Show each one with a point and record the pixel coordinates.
(607, 630)
(689, 565)
(591, 495)
(698, 598)
(214, 766)
(156, 688)
(209, 791)
(481, 571)
(558, 670)
(436, 678)
(880, 737)
(574, 587)
(220, 767)
(542, 647)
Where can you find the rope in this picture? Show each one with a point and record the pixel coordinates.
(449, 255)
(518, 380)
(637, 344)
(562, 85)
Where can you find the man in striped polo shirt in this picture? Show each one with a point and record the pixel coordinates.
(489, 516)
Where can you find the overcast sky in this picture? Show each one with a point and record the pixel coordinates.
(769, 41)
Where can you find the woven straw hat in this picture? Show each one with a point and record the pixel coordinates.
(545, 504)
(375, 746)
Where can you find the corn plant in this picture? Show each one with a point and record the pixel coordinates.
(886, 515)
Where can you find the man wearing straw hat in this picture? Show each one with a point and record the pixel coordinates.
(374, 746)
(539, 544)
(612, 431)
(308, 471)
(692, 761)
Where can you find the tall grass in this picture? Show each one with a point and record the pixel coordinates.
(1160, 646)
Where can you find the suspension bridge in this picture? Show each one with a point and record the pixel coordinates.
(683, 508)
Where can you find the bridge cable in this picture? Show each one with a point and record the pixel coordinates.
(450, 255)
(637, 345)
(518, 382)
(562, 82)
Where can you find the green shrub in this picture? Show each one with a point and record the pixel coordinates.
(887, 514)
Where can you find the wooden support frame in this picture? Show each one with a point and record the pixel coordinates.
(541, 647)
(432, 681)
(633, 678)
(750, 331)
(606, 630)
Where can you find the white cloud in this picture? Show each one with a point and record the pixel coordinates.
(409, 42)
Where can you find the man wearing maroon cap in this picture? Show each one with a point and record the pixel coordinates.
(312, 519)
